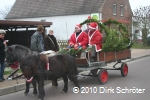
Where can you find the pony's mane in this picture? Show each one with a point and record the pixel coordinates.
(32, 59)
(32, 63)
(22, 47)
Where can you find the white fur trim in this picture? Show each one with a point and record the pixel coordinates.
(91, 27)
(90, 37)
(96, 48)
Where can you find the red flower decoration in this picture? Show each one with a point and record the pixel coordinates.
(89, 17)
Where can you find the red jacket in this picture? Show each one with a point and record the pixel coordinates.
(81, 39)
(95, 39)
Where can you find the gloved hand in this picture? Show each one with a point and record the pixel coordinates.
(76, 46)
(71, 45)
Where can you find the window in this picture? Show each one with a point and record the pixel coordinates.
(114, 9)
(121, 10)
(136, 31)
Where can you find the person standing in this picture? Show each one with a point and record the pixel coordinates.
(50, 42)
(95, 40)
(2, 54)
(78, 38)
(37, 41)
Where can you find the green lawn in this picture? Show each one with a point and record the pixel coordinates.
(9, 72)
(140, 46)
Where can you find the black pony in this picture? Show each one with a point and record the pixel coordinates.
(18, 53)
(42, 67)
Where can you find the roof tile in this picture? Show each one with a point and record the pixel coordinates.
(47, 8)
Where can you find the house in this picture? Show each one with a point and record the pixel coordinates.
(65, 14)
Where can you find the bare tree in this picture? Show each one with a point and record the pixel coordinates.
(141, 21)
(5, 11)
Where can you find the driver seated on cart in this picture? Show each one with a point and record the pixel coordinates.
(95, 40)
(78, 39)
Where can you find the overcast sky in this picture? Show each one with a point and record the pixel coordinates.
(134, 3)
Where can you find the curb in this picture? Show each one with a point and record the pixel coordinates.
(19, 87)
(133, 59)
(16, 88)
(12, 89)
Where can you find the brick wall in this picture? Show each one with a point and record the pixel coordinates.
(107, 11)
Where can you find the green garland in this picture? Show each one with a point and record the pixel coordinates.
(104, 25)
(122, 27)
(72, 51)
(89, 21)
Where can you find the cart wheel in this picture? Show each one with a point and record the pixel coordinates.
(103, 76)
(124, 69)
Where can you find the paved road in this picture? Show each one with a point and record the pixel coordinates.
(137, 81)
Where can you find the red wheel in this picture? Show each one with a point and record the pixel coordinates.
(124, 69)
(103, 76)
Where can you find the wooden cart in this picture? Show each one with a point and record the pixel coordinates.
(99, 68)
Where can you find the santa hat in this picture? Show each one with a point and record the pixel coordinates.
(78, 26)
(93, 25)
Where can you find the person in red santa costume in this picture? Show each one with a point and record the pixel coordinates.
(79, 38)
(95, 39)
